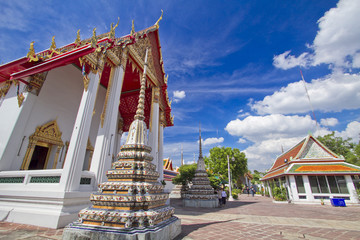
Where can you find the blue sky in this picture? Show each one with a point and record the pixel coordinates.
(232, 65)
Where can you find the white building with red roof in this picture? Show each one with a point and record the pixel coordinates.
(63, 112)
(311, 173)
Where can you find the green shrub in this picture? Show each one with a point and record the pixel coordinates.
(236, 191)
(279, 193)
(235, 196)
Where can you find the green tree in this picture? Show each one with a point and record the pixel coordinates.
(256, 176)
(344, 147)
(187, 173)
(217, 162)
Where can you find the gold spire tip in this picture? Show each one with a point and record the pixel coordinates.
(132, 28)
(157, 22)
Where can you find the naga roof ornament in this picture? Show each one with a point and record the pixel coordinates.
(160, 18)
(112, 29)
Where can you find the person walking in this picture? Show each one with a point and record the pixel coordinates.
(223, 196)
(248, 190)
(252, 191)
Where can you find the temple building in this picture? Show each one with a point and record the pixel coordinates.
(201, 193)
(311, 173)
(63, 112)
(169, 171)
(169, 174)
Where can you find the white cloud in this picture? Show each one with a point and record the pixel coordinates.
(336, 43)
(286, 61)
(210, 141)
(338, 35)
(258, 128)
(352, 131)
(335, 92)
(241, 140)
(329, 122)
(178, 95)
(262, 154)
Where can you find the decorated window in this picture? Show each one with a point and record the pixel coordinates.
(299, 184)
(314, 184)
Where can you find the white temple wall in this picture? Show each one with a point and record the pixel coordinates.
(13, 120)
(59, 99)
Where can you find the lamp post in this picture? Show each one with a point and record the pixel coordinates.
(230, 190)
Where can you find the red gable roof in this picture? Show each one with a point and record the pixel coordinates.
(22, 68)
(299, 154)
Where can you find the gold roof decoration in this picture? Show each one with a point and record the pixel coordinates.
(31, 54)
(53, 47)
(78, 39)
(94, 39)
(53, 44)
(132, 28)
(160, 18)
(166, 78)
(112, 29)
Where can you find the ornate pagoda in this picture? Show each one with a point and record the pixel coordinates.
(201, 194)
(132, 201)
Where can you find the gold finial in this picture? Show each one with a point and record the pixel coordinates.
(53, 44)
(31, 54)
(112, 29)
(77, 40)
(93, 39)
(53, 48)
(166, 78)
(157, 22)
(132, 28)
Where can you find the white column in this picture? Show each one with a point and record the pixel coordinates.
(70, 178)
(13, 121)
(161, 149)
(269, 188)
(154, 130)
(105, 140)
(293, 189)
(309, 195)
(351, 188)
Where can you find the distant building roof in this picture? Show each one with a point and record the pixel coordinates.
(309, 156)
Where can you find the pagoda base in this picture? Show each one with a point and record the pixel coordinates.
(168, 229)
(210, 203)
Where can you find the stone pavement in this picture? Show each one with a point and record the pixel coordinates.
(247, 218)
(259, 218)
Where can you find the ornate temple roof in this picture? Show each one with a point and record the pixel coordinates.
(80, 50)
(309, 157)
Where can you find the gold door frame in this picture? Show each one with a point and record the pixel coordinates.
(46, 135)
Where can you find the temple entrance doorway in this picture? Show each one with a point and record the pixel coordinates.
(39, 158)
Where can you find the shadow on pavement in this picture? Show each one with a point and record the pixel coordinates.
(186, 229)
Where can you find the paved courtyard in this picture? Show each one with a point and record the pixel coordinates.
(247, 218)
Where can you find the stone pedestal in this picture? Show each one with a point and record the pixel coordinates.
(164, 231)
(211, 203)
